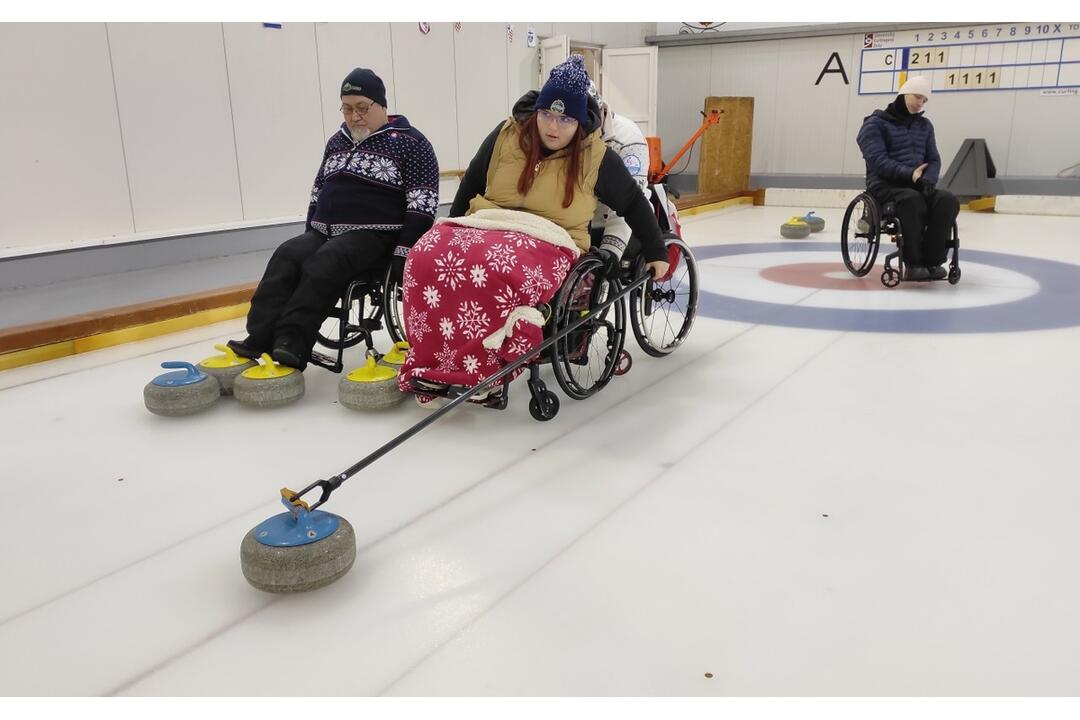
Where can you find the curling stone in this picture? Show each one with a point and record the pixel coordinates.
(795, 228)
(226, 368)
(183, 392)
(269, 385)
(298, 550)
(370, 387)
(817, 224)
(397, 354)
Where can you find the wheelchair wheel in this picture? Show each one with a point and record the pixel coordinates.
(954, 274)
(546, 409)
(860, 235)
(663, 311)
(585, 360)
(363, 309)
(392, 303)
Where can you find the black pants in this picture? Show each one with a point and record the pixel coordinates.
(303, 279)
(926, 220)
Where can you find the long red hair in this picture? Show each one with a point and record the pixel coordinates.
(530, 144)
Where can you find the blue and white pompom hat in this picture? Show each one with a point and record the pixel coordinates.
(566, 89)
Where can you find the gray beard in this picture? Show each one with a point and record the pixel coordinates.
(362, 134)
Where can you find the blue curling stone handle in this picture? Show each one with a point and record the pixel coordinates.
(290, 529)
(187, 374)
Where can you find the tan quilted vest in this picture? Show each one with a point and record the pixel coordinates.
(545, 197)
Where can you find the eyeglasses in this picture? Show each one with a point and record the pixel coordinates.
(564, 120)
(360, 110)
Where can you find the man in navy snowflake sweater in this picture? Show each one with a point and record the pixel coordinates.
(375, 194)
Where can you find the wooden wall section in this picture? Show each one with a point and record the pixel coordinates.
(724, 165)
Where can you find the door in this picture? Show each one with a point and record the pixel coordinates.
(628, 84)
(552, 52)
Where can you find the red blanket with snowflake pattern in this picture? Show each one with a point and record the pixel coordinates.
(463, 285)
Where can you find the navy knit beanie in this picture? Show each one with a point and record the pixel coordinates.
(566, 89)
(362, 81)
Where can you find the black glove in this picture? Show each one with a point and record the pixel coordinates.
(397, 265)
(612, 270)
(924, 187)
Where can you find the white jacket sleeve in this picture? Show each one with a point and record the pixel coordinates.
(624, 137)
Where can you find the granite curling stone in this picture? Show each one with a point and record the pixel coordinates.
(226, 367)
(297, 551)
(817, 224)
(795, 228)
(269, 385)
(370, 387)
(183, 392)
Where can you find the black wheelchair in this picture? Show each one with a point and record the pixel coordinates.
(661, 312)
(860, 236)
(369, 303)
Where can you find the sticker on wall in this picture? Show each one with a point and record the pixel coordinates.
(457, 27)
(272, 26)
(425, 28)
(530, 38)
(509, 33)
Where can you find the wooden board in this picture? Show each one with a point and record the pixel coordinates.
(724, 164)
(85, 325)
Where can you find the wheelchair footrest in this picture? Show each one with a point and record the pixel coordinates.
(325, 361)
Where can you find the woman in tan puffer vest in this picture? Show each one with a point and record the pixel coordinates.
(525, 164)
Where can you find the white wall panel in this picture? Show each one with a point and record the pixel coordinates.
(277, 115)
(426, 86)
(582, 32)
(621, 35)
(741, 70)
(811, 132)
(681, 86)
(986, 115)
(172, 91)
(1044, 138)
(523, 66)
(480, 51)
(61, 161)
(343, 47)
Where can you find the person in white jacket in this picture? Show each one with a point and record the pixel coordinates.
(611, 232)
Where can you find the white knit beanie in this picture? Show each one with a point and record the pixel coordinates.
(916, 85)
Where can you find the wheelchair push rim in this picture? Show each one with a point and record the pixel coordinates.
(585, 360)
(662, 312)
(860, 235)
(363, 310)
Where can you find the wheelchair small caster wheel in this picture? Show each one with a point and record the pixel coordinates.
(545, 410)
(890, 278)
(954, 275)
(625, 363)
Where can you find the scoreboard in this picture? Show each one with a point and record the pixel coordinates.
(1002, 56)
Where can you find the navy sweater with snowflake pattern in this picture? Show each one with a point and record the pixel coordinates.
(388, 181)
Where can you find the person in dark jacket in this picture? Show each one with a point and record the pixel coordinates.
(902, 167)
(376, 193)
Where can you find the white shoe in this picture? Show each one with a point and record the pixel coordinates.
(430, 402)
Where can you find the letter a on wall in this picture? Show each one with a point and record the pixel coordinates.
(838, 69)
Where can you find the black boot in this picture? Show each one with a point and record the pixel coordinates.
(937, 272)
(248, 348)
(916, 272)
(287, 351)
